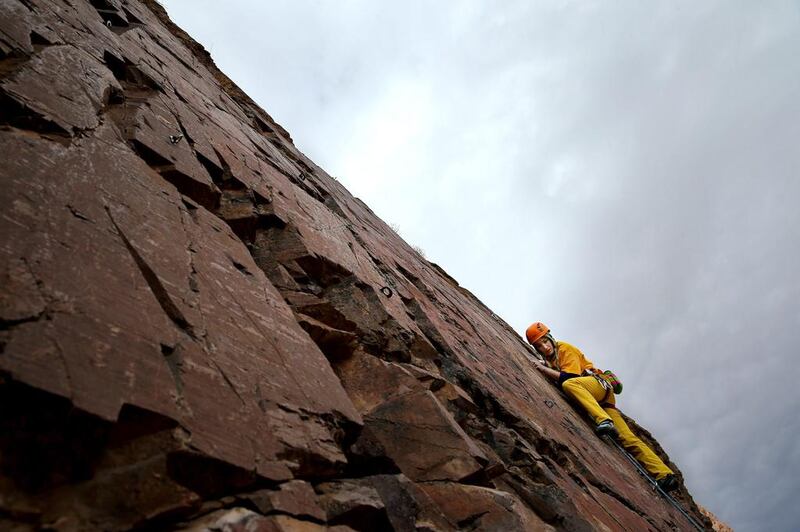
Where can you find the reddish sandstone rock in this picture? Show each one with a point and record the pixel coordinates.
(370, 381)
(353, 503)
(244, 520)
(423, 439)
(296, 498)
(194, 314)
(716, 524)
(408, 507)
(478, 508)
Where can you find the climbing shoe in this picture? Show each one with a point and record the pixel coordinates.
(668, 483)
(606, 428)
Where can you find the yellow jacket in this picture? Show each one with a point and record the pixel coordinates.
(571, 362)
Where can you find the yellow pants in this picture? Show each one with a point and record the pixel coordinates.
(588, 392)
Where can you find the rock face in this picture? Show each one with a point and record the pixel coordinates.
(202, 329)
(716, 524)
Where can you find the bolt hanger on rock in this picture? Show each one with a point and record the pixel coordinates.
(174, 139)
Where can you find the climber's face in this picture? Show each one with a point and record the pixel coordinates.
(544, 346)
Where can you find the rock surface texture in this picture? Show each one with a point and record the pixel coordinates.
(201, 329)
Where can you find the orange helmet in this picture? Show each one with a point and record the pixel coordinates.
(536, 331)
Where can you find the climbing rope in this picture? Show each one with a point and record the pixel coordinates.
(653, 482)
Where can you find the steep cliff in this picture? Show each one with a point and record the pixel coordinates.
(201, 328)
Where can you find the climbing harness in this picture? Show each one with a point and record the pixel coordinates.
(654, 483)
(605, 384)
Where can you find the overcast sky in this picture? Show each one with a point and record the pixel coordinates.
(626, 172)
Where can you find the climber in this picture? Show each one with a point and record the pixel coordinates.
(579, 379)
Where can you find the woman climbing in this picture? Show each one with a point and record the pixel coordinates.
(579, 379)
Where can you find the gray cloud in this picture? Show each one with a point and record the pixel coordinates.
(627, 172)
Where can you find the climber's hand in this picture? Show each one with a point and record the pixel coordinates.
(547, 371)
